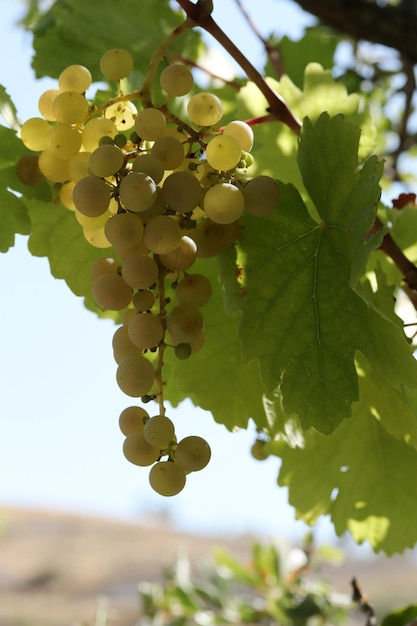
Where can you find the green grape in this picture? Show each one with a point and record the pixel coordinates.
(122, 114)
(28, 172)
(182, 257)
(205, 109)
(94, 130)
(192, 453)
(150, 165)
(138, 451)
(242, 132)
(157, 208)
(123, 345)
(75, 78)
(184, 323)
(125, 231)
(167, 478)
(132, 420)
(70, 107)
(137, 191)
(212, 238)
(162, 234)
(104, 266)
(170, 151)
(53, 168)
(139, 271)
(143, 300)
(224, 203)
(106, 160)
(135, 375)
(258, 450)
(261, 195)
(159, 431)
(223, 152)
(145, 330)
(111, 292)
(182, 191)
(120, 140)
(128, 314)
(45, 104)
(96, 237)
(78, 166)
(176, 80)
(63, 141)
(193, 289)
(183, 351)
(116, 64)
(150, 124)
(91, 196)
(34, 132)
(92, 223)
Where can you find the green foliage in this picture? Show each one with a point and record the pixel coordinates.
(272, 586)
(67, 34)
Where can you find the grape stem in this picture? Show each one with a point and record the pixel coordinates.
(277, 107)
(162, 345)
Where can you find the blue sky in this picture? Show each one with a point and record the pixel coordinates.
(60, 446)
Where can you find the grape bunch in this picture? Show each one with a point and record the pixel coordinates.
(160, 192)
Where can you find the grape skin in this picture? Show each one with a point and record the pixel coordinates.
(138, 451)
(192, 453)
(224, 203)
(167, 478)
(176, 80)
(116, 64)
(159, 431)
(135, 375)
(132, 420)
(111, 292)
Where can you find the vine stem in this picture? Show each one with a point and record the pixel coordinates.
(161, 348)
(276, 105)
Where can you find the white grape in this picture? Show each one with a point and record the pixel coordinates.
(135, 375)
(261, 195)
(205, 109)
(132, 420)
(91, 196)
(116, 64)
(137, 191)
(192, 453)
(111, 292)
(223, 152)
(150, 124)
(176, 80)
(159, 431)
(75, 78)
(242, 132)
(224, 203)
(167, 478)
(33, 133)
(138, 451)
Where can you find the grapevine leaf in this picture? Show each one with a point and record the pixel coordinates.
(317, 42)
(217, 379)
(360, 477)
(275, 147)
(57, 235)
(13, 213)
(13, 219)
(301, 317)
(8, 109)
(67, 34)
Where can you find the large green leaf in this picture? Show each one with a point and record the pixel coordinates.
(301, 316)
(57, 235)
(75, 31)
(360, 476)
(13, 213)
